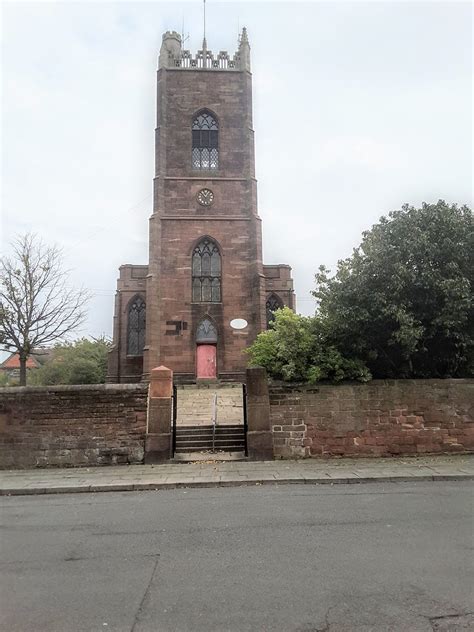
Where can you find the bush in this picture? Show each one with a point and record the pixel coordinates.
(294, 349)
(81, 362)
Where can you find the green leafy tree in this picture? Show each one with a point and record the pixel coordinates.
(403, 302)
(400, 306)
(295, 349)
(81, 362)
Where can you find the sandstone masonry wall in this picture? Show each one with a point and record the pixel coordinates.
(106, 424)
(381, 418)
(72, 425)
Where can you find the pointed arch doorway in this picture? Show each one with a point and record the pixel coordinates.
(206, 350)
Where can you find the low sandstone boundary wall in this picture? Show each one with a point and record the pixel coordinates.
(72, 425)
(381, 418)
(106, 424)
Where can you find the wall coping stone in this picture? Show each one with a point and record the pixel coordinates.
(314, 388)
(72, 388)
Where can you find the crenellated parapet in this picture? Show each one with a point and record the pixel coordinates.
(205, 59)
(173, 56)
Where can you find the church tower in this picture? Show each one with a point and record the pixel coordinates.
(205, 266)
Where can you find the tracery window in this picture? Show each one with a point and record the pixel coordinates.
(136, 326)
(273, 303)
(206, 331)
(205, 153)
(206, 267)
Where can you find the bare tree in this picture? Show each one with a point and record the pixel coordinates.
(36, 305)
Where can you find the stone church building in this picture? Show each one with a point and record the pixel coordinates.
(205, 267)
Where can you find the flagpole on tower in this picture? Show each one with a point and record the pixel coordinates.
(204, 43)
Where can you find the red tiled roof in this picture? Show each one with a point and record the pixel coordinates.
(13, 362)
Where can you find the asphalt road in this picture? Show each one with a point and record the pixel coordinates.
(373, 557)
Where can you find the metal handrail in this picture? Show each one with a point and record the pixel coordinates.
(214, 421)
(244, 410)
(175, 416)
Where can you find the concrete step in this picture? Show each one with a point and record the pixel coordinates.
(208, 439)
(202, 388)
(220, 435)
(186, 457)
(228, 429)
(198, 438)
(208, 448)
(204, 444)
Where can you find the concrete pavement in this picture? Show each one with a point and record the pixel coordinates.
(234, 473)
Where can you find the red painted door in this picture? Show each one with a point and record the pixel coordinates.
(206, 361)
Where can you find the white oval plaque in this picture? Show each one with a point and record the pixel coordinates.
(238, 323)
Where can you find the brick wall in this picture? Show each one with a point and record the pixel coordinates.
(72, 425)
(382, 418)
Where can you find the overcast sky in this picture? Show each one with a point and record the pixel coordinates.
(358, 108)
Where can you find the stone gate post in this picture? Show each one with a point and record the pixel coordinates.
(159, 419)
(259, 433)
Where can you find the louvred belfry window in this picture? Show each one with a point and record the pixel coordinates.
(136, 326)
(206, 266)
(273, 303)
(205, 131)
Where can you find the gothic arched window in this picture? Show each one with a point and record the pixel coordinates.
(136, 326)
(205, 142)
(206, 266)
(273, 303)
(206, 332)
